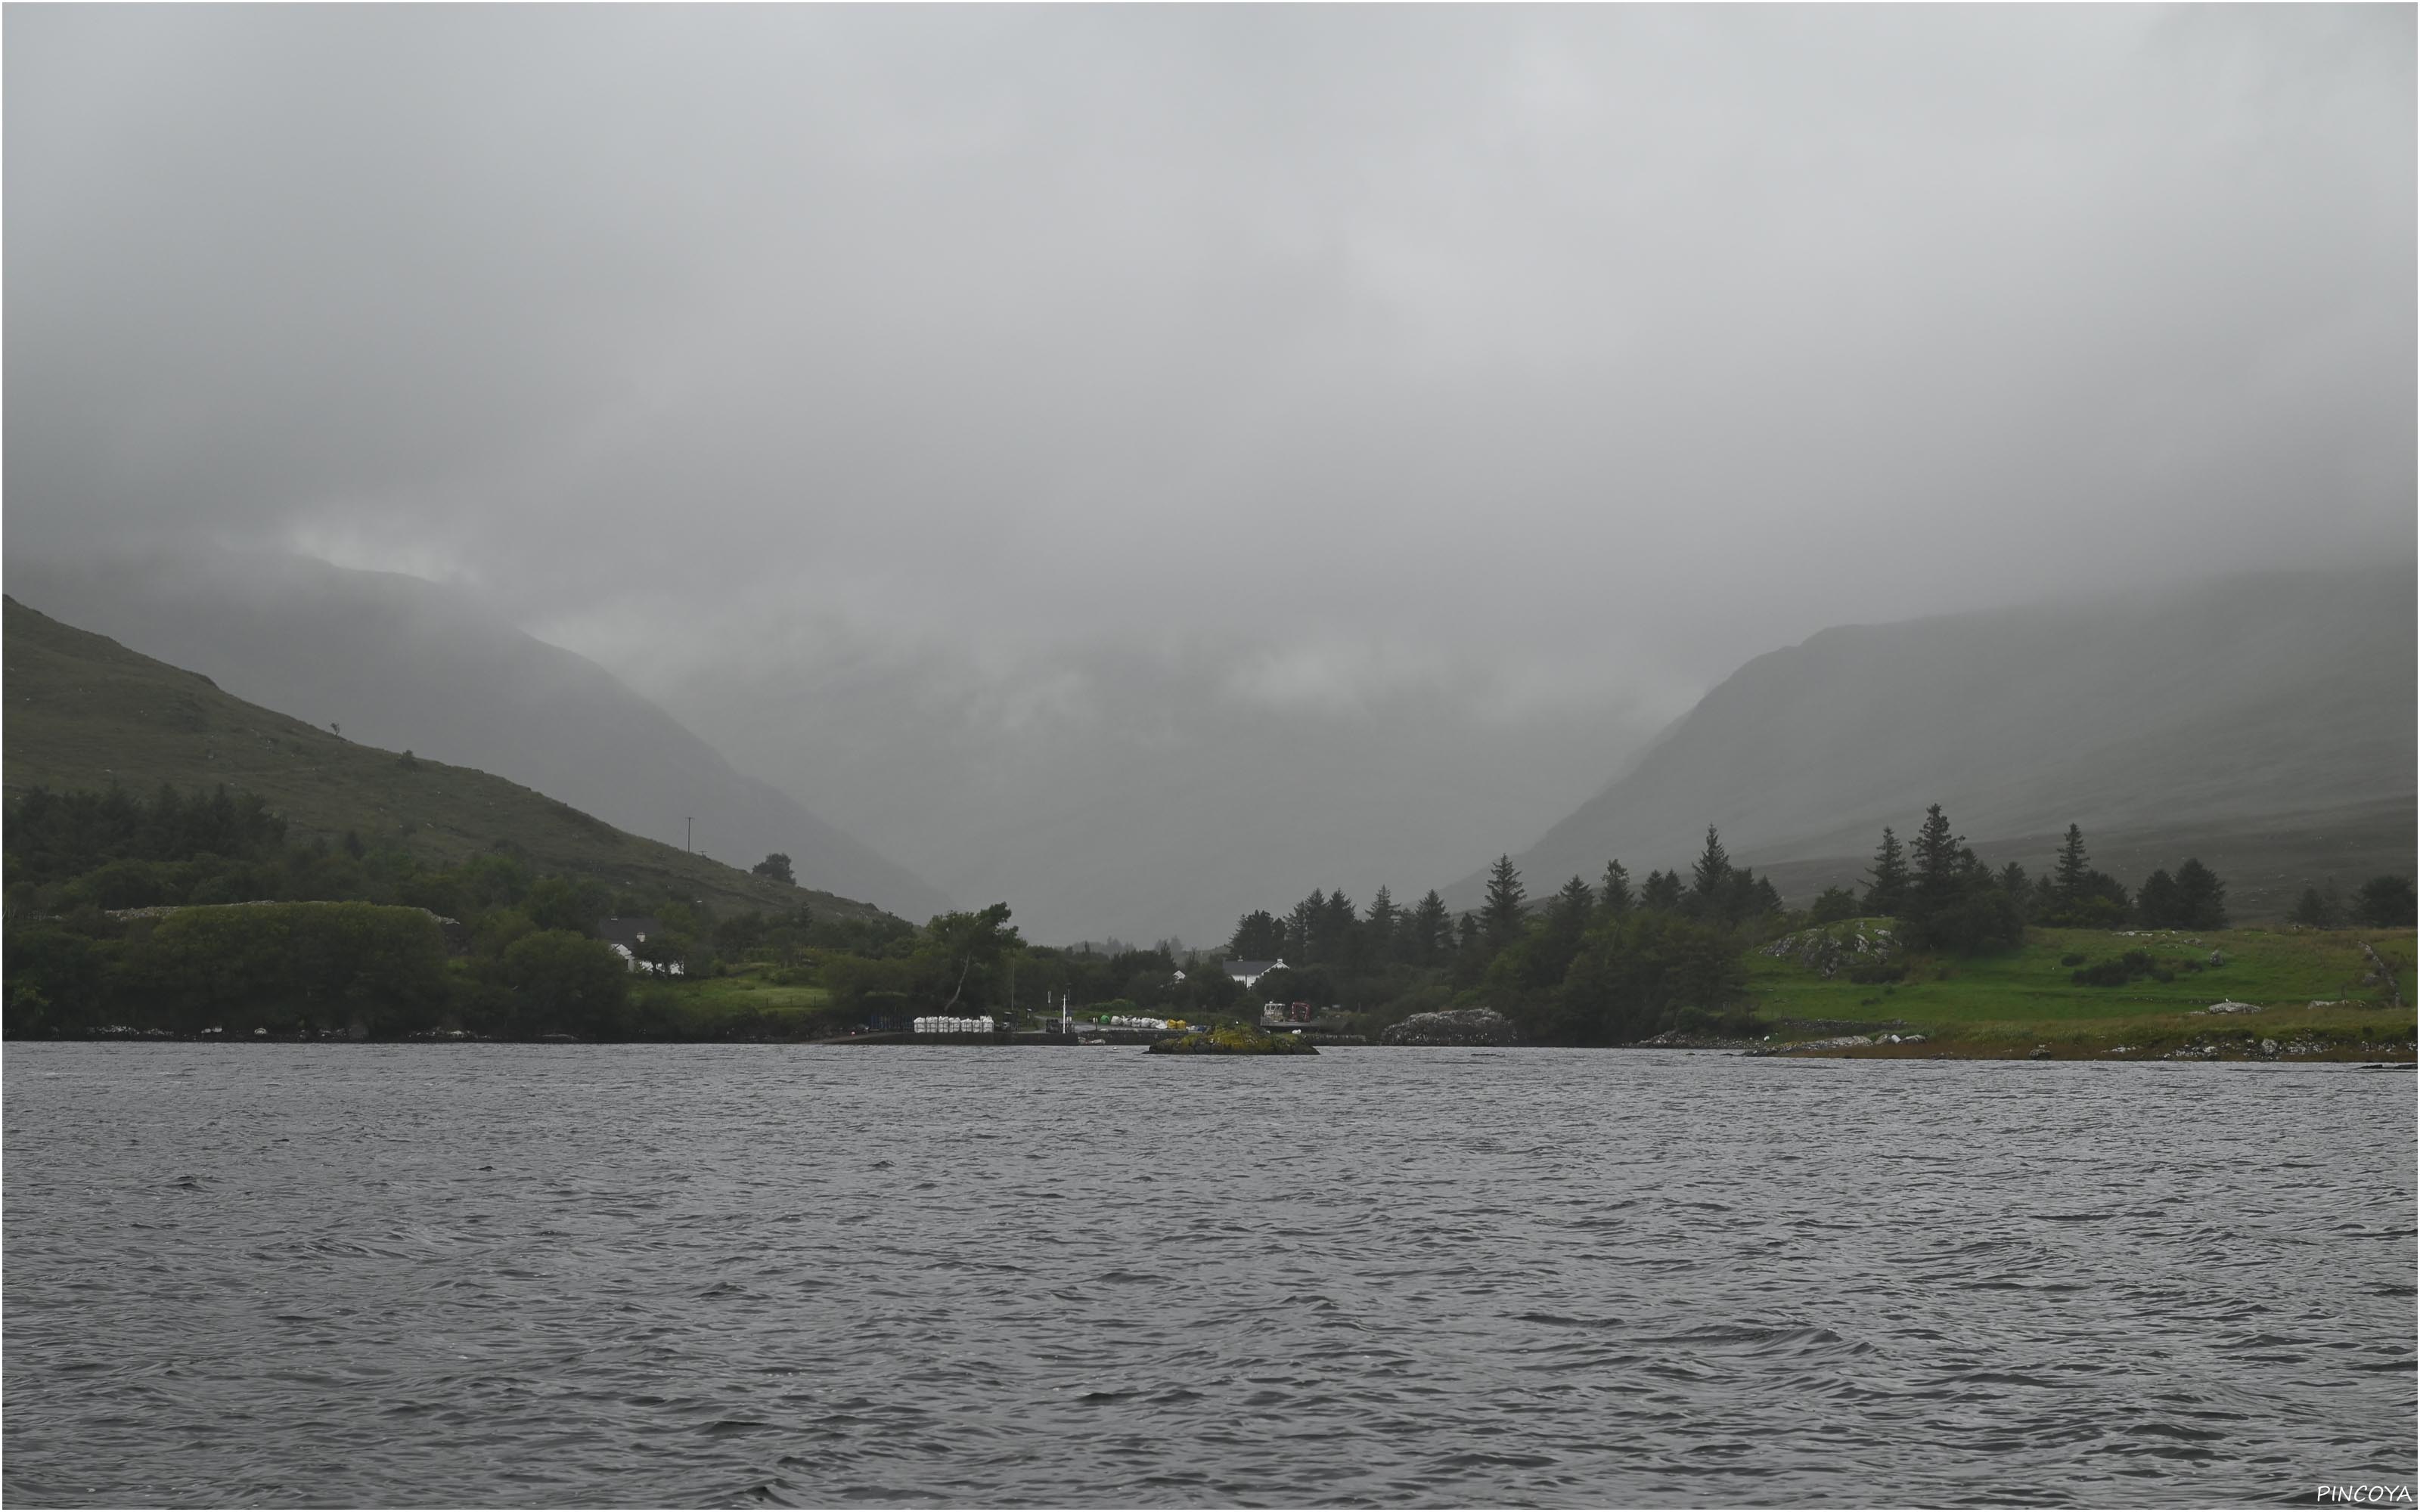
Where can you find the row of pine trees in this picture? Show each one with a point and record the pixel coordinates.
(1323, 930)
(1608, 960)
(1933, 884)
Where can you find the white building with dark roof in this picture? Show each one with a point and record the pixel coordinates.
(627, 935)
(1247, 972)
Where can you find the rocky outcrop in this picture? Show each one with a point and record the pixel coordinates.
(1829, 949)
(1234, 1040)
(1838, 1041)
(1697, 1039)
(1461, 1026)
(2380, 976)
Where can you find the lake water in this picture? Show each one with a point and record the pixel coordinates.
(485, 1274)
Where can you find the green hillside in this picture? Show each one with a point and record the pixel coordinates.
(84, 711)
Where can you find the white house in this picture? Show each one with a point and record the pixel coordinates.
(1247, 972)
(627, 934)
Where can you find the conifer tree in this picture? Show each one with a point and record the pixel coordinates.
(2071, 874)
(1764, 898)
(1430, 934)
(1613, 893)
(2201, 897)
(1712, 869)
(1500, 915)
(2156, 903)
(1259, 936)
(1661, 893)
(2384, 903)
(1379, 926)
(1938, 860)
(2317, 909)
(1338, 924)
(1572, 906)
(1302, 928)
(1886, 884)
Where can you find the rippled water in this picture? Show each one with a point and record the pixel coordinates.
(601, 1274)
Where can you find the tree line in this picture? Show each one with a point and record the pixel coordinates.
(341, 936)
(1592, 963)
(1598, 961)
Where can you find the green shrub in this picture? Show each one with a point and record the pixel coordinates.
(282, 964)
(2118, 973)
(567, 984)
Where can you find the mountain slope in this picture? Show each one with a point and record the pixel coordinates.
(2197, 714)
(408, 664)
(84, 711)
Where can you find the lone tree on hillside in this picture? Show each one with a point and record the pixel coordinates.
(776, 866)
(1886, 884)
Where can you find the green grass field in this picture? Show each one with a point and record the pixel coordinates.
(2310, 988)
(748, 1004)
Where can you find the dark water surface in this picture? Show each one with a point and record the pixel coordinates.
(485, 1274)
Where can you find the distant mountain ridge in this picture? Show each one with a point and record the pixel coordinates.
(2197, 712)
(87, 712)
(404, 663)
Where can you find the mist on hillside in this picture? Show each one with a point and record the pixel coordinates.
(1146, 464)
(2194, 719)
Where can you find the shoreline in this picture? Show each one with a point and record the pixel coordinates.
(2238, 1051)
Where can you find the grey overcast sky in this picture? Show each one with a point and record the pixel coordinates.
(954, 412)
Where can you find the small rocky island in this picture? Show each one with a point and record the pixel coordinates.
(1234, 1040)
(1461, 1026)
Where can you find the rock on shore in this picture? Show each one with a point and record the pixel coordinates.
(1828, 950)
(1461, 1026)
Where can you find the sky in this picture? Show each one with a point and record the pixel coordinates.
(1148, 462)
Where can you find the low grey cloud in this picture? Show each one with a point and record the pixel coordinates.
(963, 378)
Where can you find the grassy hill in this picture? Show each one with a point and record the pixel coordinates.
(401, 662)
(84, 711)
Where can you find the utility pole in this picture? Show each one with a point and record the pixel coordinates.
(688, 834)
